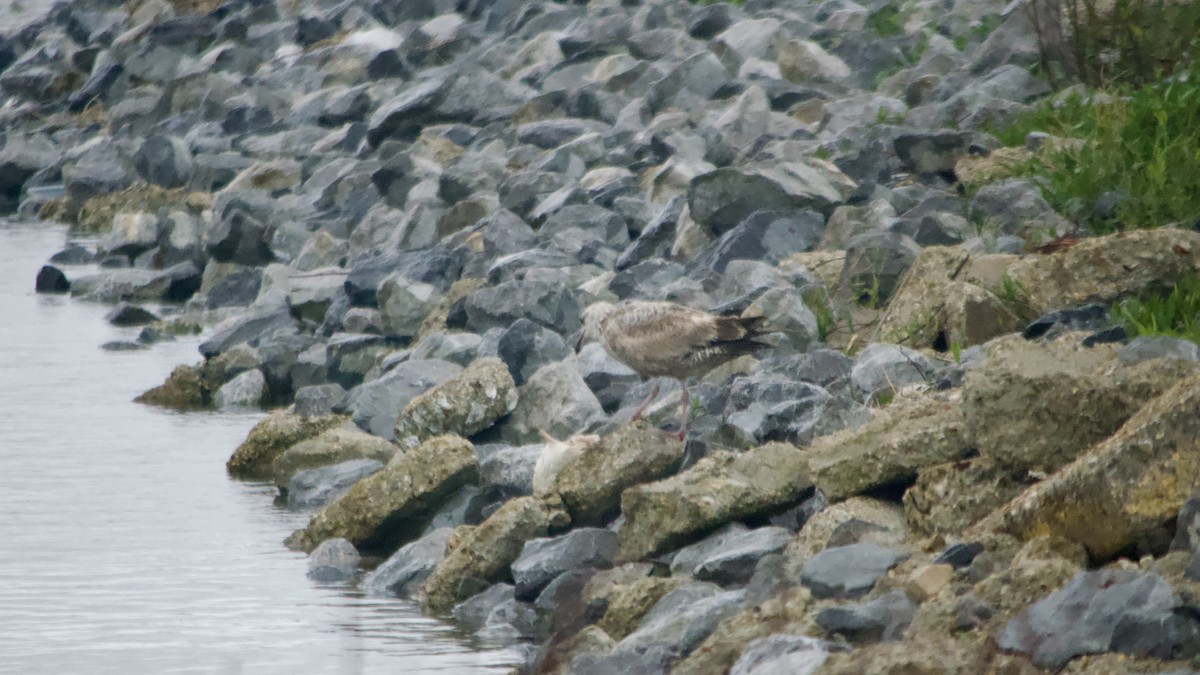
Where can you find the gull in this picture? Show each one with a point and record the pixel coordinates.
(659, 339)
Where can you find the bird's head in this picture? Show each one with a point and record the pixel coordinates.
(592, 318)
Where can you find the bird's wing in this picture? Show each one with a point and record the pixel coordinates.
(664, 329)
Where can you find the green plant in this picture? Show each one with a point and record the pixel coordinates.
(1175, 313)
(1139, 147)
(886, 21)
(1014, 296)
(956, 351)
(979, 31)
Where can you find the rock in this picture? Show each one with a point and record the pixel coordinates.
(473, 613)
(782, 655)
(183, 390)
(948, 498)
(317, 487)
(269, 438)
(542, 560)
(249, 328)
(942, 298)
(591, 486)
(545, 303)
(309, 297)
(464, 404)
(375, 406)
(676, 625)
(403, 573)
(1090, 317)
(1015, 206)
(333, 560)
(405, 113)
(318, 399)
(1102, 269)
(722, 199)
(333, 446)
(1040, 405)
(431, 265)
(1123, 487)
(164, 160)
(919, 654)
(1158, 347)
(926, 581)
(525, 347)
(486, 552)
(895, 444)
(247, 390)
(856, 520)
(689, 84)
(729, 556)
(349, 357)
(1187, 526)
(769, 236)
(73, 254)
(804, 61)
(457, 348)
(875, 263)
(884, 618)
(848, 571)
(770, 407)
(126, 314)
(404, 304)
(131, 235)
(509, 470)
(718, 489)
(379, 511)
(553, 456)
(555, 400)
(786, 312)
(608, 378)
(1083, 616)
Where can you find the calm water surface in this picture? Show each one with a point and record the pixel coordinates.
(125, 548)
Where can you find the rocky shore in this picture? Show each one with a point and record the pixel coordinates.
(391, 214)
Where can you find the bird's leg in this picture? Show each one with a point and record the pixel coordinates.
(637, 414)
(686, 411)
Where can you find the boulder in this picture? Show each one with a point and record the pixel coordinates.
(339, 444)
(543, 302)
(380, 511)
(465, 404)
(317, 487)
(269, 438)
(555, 400)
(720, 488)
(1123, 487)
(848, 571)
(784, 612)
(948, 498)
(375, 406)
(334, 560)
(722, 199)
(404, 304)
(183, 390)
(50, 279)
(487, 550)
(895, 444)
(782, 655)
(730, 555)
(402, 574)
(246, 390)
(1039, 405)
(884, 618)
(591, 486)
(509, 470)
(542, 560)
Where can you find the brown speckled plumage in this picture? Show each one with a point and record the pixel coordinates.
(665, 339)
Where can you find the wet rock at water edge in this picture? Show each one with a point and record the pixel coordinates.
(334, 560)
(316, 487)
(402, 574)
(543, 559)
(52, 280)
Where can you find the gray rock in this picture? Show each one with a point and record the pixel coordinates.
(509, 469)
(525, 346)
(875, 262)
(1090, 317)
(101, 167)
(767, 407)
(164, 160)
(882, 368)
(847, 571)
(690, 84)
(1158, 347)
(1083, 616)
(126, 314)
(244, 391)
(334, 560)
(464, 507)
(250, 328)
(722, 199)
(555, 400)
(1187, 526)
(432, 265)
(1015, 206)
(317, 487)
(404, 304)
(339, 444)
(406, 112)
(608, 378)
(376, 405)
(884, 618)
(321, 250)
(1170, 637)
(310, 297)
(786, 313)
(230, 284)
(732, 558)
(350, 357)
(545, 303)
(458, 348)
(50, 279)
(473, 612)
(132, 234)
(404, 572)
(782, 655)
(544, 559)
(769, 236)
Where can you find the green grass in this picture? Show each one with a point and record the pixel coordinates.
(886, 21)
(1175, 313)
(1140, 142)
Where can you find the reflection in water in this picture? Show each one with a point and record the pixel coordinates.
(124, 547)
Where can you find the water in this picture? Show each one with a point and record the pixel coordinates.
(125, 547)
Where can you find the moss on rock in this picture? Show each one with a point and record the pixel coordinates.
(270, 437)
